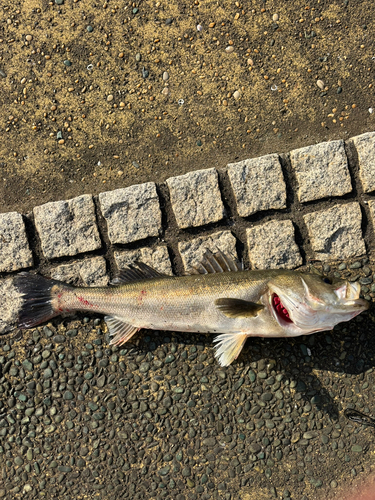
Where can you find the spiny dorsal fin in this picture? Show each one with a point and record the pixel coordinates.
(237, 308)
(120, 331)
(216, 263)
(137, 272)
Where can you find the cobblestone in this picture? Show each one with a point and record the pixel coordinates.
(371, 205)
(10, 303)
(272, 245)
(131, 213)
(192, 251)
(88, 272)
(336, 233)
(158, 258)
(258, 184)
(365, 146)
(196, 198)
(321, 171)
(15, 251)
(67, 228)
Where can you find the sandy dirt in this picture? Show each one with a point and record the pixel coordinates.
(84, 111)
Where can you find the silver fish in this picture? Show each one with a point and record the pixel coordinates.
(221, 298)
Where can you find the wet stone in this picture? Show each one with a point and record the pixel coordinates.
(59, 339)
(316, 482)
(27, 365)
(101, 381)
(144, 367)
(169, 358)
(48, 373)
(357, 448)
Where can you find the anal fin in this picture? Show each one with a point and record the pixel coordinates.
(120, 331)
(229, 346)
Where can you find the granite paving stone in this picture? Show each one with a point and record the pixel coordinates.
(88, 272)
(258, 184)
(157, 257)
(196, 198)
(10, 304)
(272, 245)
(336, 233)
(192, 251)
(365, 146)
(131, 213)
(15, 251)
(321, 171)
(371, 204)
(67, 228)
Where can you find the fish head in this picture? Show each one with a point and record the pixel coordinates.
(305, 303)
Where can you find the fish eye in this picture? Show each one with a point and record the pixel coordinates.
(327, 280)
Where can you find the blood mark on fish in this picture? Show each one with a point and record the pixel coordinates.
(140, 297)
(84, 302)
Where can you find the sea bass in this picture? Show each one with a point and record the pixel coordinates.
(219, 298)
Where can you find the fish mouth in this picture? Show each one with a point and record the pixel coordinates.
(280, 310)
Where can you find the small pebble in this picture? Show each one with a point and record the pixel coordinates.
(165, 91)
(59, 2)
(89, 29)
(110, 98)
(275, 17)
(138, 56)
(320, 84)
(236, 95)
(28, 38)
(229, 49)
(165, 76)
(67, 62)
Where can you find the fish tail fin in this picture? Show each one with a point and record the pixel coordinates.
(38, 298)
(229, 346)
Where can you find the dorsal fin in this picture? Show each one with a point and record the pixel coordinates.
(138, 272)
(216, 263)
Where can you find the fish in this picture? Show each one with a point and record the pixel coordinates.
(218, 297)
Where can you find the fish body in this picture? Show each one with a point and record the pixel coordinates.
(226, 300)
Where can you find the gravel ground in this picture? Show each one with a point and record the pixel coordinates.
(161, 419)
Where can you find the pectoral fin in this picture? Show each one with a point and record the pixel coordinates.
(229, 347)
(237, 308)
(120, 331)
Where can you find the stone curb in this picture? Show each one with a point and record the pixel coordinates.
(275, 212)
